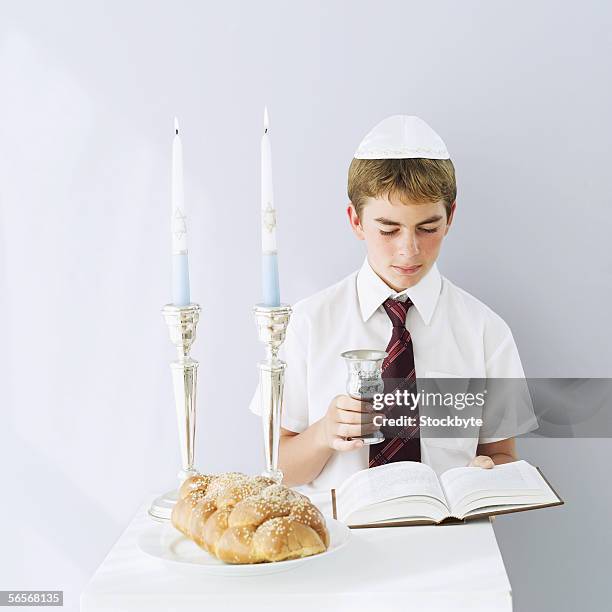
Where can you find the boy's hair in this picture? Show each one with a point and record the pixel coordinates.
(417, 179)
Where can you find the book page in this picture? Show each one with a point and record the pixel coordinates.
(416, 508)
(385, 482)
(516, 477)
(469, 507)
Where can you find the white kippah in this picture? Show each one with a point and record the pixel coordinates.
(401, 137)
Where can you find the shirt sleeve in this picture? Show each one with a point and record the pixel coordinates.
(508, 411)
(294, 353)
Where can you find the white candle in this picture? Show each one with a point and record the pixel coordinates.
(180, 263)
(270, 286)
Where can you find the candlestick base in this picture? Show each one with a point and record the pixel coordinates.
(161, 508)
(275, 475)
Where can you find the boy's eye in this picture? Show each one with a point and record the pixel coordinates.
(427, 230)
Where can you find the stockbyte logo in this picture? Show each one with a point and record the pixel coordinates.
(453, 421)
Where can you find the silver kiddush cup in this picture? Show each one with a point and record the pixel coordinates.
(364, 381)
(182, 322)
(272, 324)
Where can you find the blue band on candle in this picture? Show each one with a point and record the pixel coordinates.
(269, 278)
(180, 280)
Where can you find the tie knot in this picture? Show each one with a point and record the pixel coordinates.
(397, 311)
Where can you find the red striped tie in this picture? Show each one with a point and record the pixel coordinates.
(401, 443)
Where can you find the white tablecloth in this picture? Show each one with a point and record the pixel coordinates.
(451, 567)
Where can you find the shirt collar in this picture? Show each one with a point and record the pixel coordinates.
(372, 291)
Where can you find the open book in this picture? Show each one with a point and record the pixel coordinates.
(410, 493)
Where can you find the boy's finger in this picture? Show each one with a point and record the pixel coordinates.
(340, 444)
(483, 461)
(344, 402)
(369, 428)
(345, 430)
(350, 416)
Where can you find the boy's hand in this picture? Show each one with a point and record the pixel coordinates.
(346, 418)
(482, 461)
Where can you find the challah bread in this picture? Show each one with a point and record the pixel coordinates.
(195, 488)
(243, 519)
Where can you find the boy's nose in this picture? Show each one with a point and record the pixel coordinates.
(410, 248)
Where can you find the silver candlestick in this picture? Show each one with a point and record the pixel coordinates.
(182, 322)
(272, 324)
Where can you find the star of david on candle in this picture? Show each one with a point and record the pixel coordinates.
(269, 217)
(179, 225)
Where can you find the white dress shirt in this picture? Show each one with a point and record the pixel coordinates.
(453, 335)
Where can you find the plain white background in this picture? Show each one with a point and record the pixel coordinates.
(520, 92)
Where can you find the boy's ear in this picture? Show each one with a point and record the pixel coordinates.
(355, 222)
(450, 216)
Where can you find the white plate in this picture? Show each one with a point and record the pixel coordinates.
(165, 542)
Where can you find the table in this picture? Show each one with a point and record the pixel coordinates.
(425, 568)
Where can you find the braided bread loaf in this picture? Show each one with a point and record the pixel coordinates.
(249, 519)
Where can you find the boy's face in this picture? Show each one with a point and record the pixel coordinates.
(403, 240)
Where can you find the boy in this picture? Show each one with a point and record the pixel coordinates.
(402, 192)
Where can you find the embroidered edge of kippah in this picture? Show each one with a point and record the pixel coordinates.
(403, 151)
